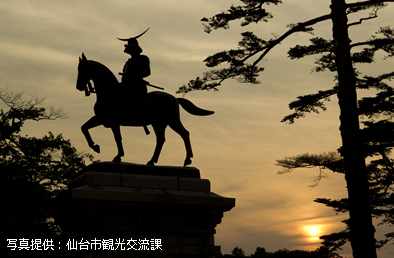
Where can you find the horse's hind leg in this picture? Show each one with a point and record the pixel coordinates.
(160, 139)
(92, 122)
(180, 129)
(118, 140)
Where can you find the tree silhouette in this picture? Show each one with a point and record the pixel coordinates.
(336, 57)
(284, 253)
(378, 139)
(33, 171)
(259, 253)
(238, 252)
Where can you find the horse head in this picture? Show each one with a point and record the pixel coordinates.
(84, 76)
(104, 80)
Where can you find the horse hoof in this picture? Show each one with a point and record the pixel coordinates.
(96, 148)
(187, 162)
(117, 159)
(150, 163)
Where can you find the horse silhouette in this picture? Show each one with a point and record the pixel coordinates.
(162, 110)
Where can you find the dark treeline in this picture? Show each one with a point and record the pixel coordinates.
(320, 252)
(33, 173)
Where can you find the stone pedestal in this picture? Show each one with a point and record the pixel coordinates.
(129, 210)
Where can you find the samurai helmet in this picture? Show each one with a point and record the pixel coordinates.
(132, 42)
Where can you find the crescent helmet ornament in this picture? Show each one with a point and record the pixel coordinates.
(136, 36)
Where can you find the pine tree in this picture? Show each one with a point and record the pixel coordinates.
(336, 57)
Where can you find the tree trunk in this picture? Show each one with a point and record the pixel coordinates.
(362, 231)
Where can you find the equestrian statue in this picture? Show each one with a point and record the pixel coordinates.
(128, 103)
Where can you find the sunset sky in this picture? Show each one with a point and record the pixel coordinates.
(237, 147)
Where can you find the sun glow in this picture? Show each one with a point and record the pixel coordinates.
(313, 232)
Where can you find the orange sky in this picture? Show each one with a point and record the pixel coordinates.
(236, 148)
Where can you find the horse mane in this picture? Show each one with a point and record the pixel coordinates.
(103, 74)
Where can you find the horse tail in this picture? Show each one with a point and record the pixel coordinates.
(193, 109)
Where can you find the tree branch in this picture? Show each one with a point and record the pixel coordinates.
(362, 19)
(297, 28)
(371, 2)
(15, 101)
(249, 73)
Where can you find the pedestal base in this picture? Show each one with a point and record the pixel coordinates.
(129, 210)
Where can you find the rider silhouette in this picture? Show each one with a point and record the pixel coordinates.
(134, 72)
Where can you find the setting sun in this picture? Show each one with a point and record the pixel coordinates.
(314, 232)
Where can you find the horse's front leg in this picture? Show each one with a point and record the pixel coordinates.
(118, 140)
(91, 123)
